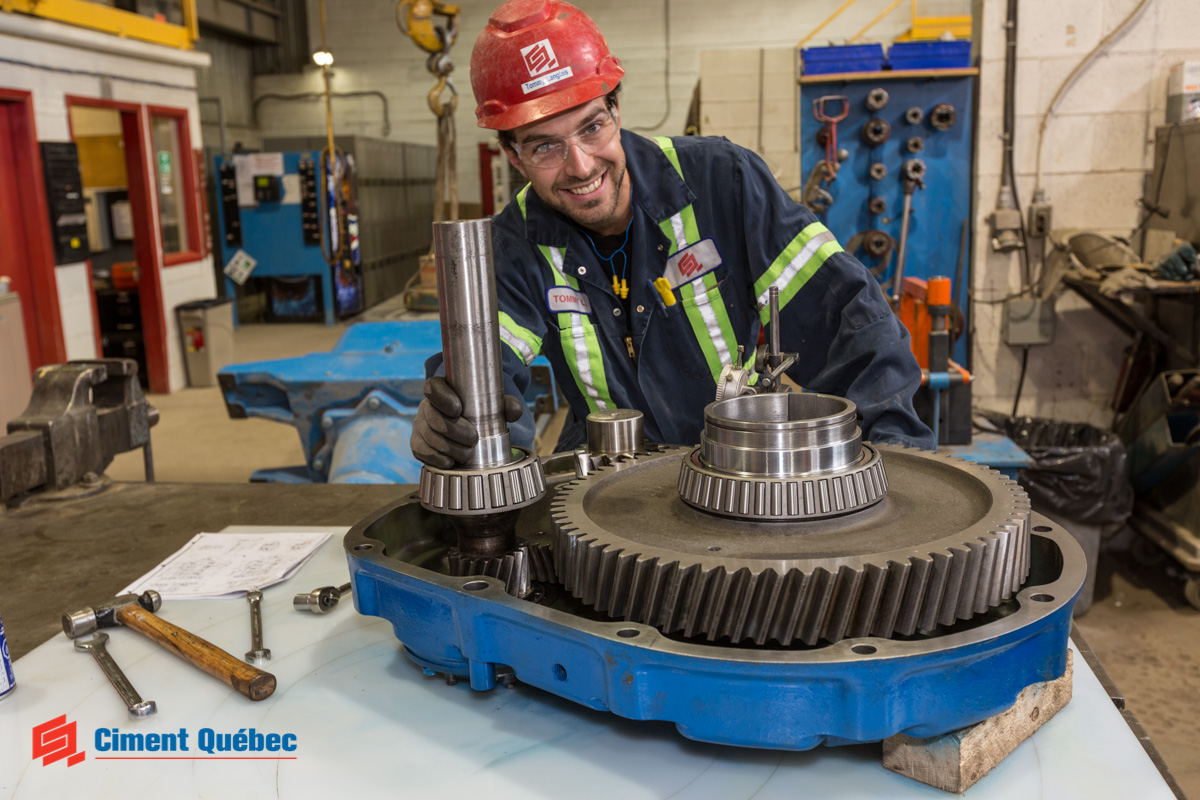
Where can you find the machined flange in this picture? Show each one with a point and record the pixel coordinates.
(489, 490)
(627, 545)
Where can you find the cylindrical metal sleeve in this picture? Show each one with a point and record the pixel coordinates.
(466, 284)
(780, 435)
(615, 432)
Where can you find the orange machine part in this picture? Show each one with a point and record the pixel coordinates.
(914, 315)
(937, 293)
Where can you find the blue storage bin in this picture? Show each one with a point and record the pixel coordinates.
(930, 55)
(842, 58)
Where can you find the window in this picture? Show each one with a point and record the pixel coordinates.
(175, 184)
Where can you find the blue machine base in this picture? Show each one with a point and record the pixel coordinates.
(857, 690)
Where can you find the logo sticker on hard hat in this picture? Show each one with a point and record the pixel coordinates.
(540, 59)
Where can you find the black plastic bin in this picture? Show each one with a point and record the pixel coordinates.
(1078, 479)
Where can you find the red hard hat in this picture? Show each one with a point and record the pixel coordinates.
(536, 58)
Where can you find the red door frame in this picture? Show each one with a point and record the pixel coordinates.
(190, 213)
(39, 305)
(147, 246)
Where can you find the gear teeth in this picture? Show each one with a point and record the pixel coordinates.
(714, 598)
(517, 568)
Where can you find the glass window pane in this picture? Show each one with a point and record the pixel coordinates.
(168, 166)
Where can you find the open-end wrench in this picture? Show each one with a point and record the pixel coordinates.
(257, 653)
(320, 601)
(138, 708)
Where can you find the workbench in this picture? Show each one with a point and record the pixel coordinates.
(367, 722)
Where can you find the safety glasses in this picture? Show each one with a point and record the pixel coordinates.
(552, 151)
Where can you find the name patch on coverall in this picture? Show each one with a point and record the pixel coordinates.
(692, 262)
(563, 298)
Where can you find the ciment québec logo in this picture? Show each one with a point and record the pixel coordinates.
(56, 739)
(539, 58)
(689, 264)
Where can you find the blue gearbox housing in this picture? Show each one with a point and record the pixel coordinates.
(851, 688)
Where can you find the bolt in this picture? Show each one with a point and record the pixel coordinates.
(318, 464)
(373, 403)
(327, 423)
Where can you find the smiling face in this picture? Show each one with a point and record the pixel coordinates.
(590, 189)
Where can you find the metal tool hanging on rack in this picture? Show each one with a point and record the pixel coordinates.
(914, 178)
(816, 196)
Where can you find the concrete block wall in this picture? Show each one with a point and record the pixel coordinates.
(52, 61)
(749, 96)
(1098, 147)
(370, 53)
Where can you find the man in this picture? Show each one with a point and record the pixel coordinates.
(638, 266)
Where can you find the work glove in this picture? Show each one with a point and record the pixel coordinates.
(1180, 265)
(441, 436)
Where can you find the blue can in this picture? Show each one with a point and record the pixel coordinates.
(7, 681)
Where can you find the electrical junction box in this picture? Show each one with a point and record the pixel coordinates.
(1028, 322)
(267, 188)
(1183, 92)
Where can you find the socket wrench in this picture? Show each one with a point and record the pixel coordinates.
(320, 601)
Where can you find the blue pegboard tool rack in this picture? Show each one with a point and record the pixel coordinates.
(936, 226)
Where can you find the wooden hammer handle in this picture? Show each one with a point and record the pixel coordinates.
(243, 678)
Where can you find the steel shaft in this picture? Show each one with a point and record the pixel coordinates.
(471, 333)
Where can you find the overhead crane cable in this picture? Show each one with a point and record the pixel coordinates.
(415, 20)
(332, 166)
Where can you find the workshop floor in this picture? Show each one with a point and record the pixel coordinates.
(1142, 630)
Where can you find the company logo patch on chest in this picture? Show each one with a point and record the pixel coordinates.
(563, 298)
(692, 262)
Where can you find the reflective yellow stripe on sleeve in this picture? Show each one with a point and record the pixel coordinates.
(794, 266)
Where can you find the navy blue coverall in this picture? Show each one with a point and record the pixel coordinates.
(709, 216)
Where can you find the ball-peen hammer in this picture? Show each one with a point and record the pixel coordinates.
(136, 612)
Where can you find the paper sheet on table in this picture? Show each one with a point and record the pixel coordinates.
(223, 564)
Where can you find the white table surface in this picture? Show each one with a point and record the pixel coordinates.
(370, 724)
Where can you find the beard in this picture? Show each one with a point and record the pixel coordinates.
(600, 214)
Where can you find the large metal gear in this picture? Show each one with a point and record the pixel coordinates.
(627, 545)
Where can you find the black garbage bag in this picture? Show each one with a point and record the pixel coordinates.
(1079, 470)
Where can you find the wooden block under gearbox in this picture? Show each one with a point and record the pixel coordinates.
(956, 761)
